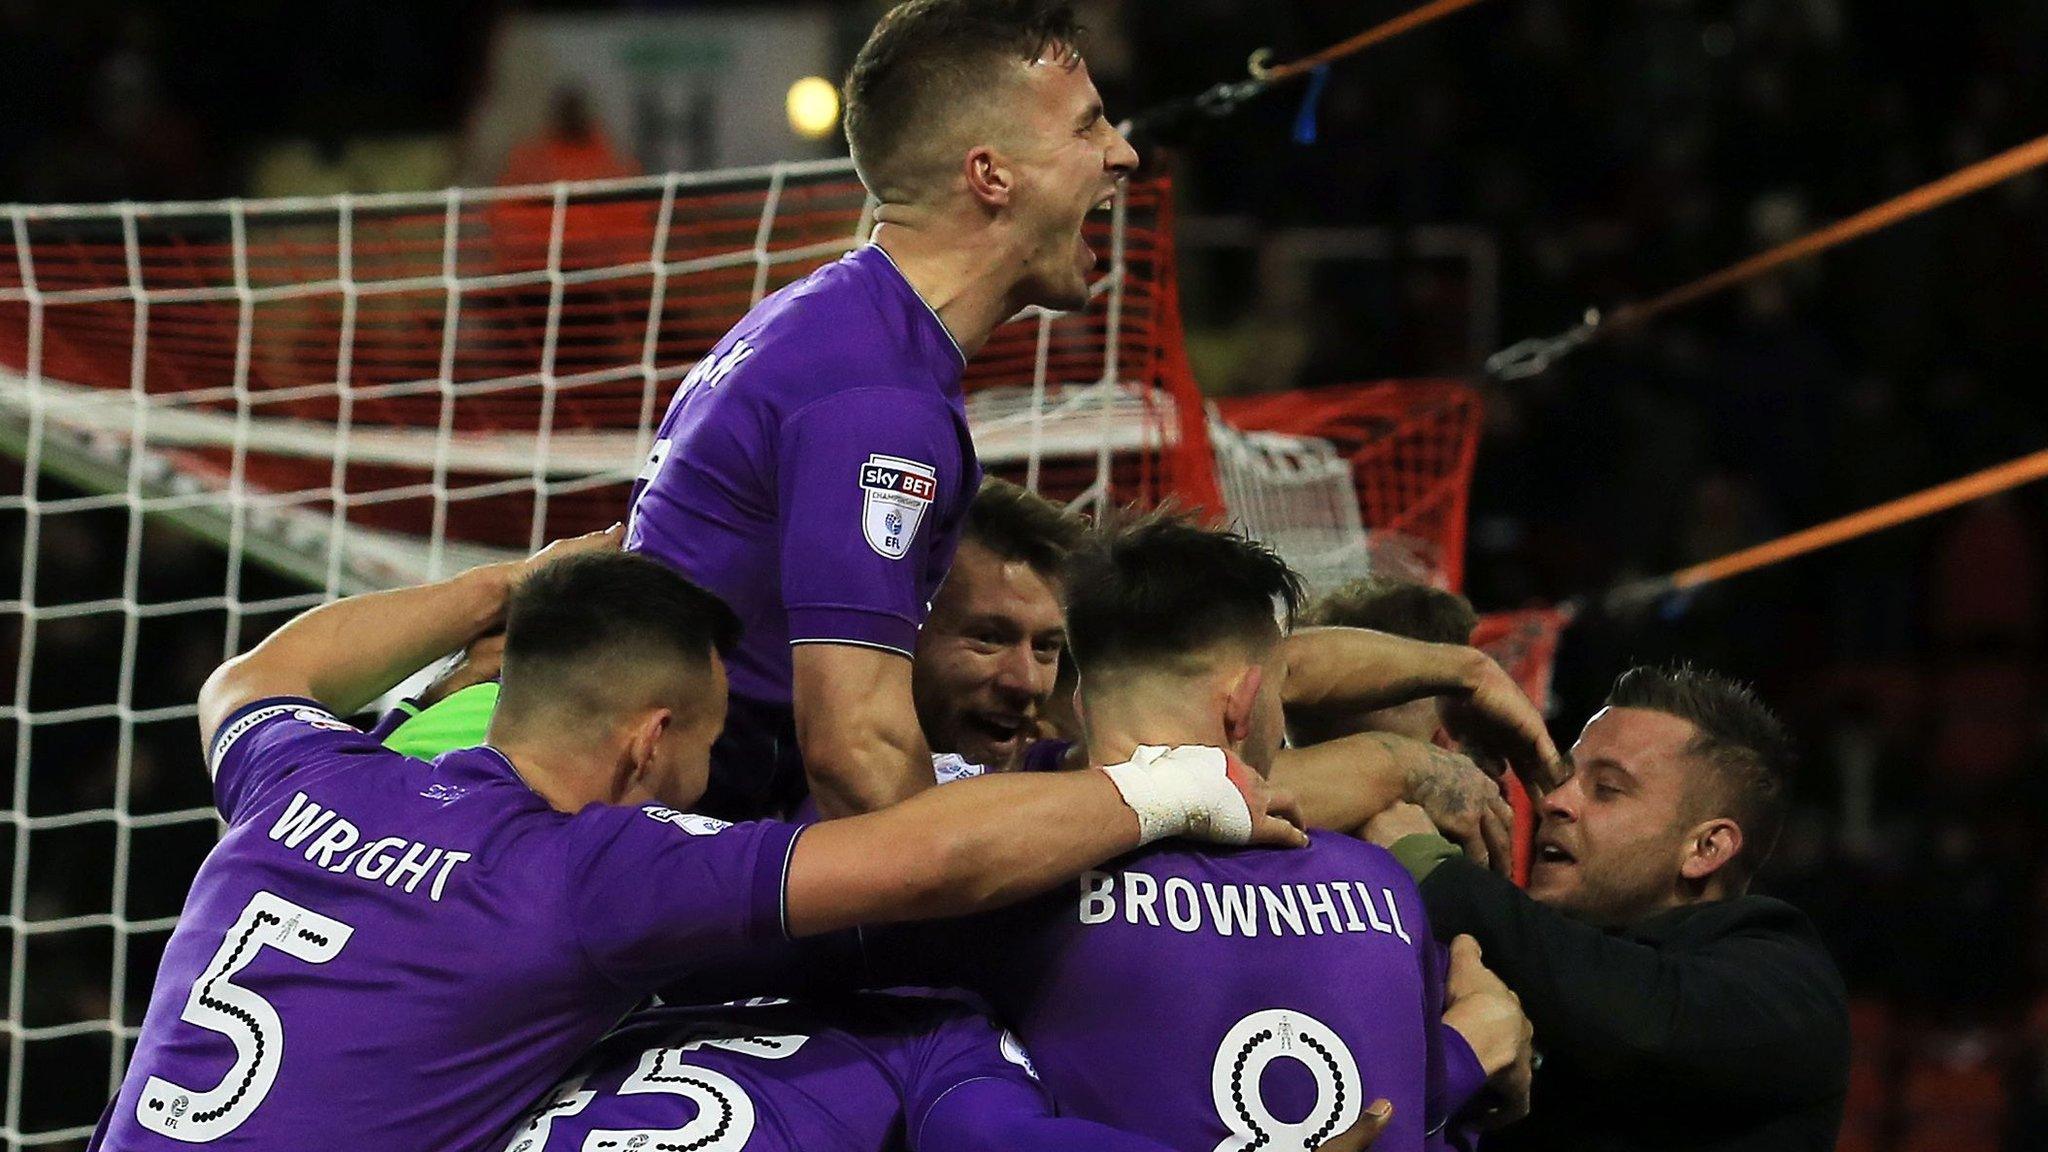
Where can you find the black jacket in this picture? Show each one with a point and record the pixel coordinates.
(1721, 1026)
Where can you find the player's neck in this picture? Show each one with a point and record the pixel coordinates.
(566, 785)
(1117, 725)
(964, 280)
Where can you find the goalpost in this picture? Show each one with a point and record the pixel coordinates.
(347, 393)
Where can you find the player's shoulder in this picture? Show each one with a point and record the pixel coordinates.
(859, 316)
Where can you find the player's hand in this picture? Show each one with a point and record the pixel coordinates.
(1489, 1015)
(1397, 823)
(1371, 1123)
(1495, 720)
(609, 540)
(473, 665)
(1276, 818)
(1463, 802)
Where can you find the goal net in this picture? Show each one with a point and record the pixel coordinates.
(216, 415)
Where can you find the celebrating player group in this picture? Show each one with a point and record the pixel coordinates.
(830, 714)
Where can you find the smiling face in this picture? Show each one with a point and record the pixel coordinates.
(1614, 836)
(1068, 160)
(987, 658)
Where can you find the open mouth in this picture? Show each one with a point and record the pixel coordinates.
(996, 729)
(1547, 853)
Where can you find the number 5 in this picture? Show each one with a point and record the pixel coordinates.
(218, 1004)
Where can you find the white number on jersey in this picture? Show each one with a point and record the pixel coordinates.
(1258, 1040)
(725, 1114)
(218, 1004)
(567, 1099)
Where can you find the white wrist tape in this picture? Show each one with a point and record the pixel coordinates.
(1184, 791)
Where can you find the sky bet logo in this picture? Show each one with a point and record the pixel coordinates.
(894, 494)
(889, 474)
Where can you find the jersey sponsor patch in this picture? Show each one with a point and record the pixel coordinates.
(319, 719)
(951, 766)
(689, 822)
(895, 494)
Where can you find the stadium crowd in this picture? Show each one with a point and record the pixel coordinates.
(1612, 155)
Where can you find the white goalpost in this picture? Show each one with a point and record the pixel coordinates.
(218, 414)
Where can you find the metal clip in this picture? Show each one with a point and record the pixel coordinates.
(1534, 356)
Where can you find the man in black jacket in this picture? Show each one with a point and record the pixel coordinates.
(1672, 1009)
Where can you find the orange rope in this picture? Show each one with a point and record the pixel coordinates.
(1406, 22)
(1975, 178)
(2011, 474)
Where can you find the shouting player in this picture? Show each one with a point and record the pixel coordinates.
(814, 468)
(1157, 995)
(386, 953)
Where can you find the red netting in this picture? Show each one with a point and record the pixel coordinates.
(452, 315)
(1411, 444)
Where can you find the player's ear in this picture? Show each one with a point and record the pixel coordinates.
(643, 749)
(1709, 847)
(1241, 702)
(990, 178)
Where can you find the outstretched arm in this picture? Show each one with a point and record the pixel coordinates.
(990, 841)
(1358, 669)
(347, 653)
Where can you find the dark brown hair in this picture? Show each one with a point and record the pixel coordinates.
(1018, 524)
(590, 612)
(1160, 586)
(1416, 611)
(928, 58)
(1743, 742)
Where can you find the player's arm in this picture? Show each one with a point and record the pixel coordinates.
(346, 654)
(857, 727)
(1340, 784)
(993, 840)
(866, 480)
(1358, 669)
(1005, 1115)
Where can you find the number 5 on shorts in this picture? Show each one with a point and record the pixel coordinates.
(220, 1005)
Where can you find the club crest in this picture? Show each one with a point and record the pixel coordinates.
(894, 495)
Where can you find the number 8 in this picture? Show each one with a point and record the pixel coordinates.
(1258, 1040)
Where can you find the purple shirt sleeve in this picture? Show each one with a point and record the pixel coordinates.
(863, 476)
(660, 894)
(263, 743)
(1003, 1115)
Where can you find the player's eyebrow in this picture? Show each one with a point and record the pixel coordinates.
(1089, 117)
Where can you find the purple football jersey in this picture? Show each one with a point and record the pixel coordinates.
(387, 953)
(1217, 999)
(814, 469)
(858, 1074)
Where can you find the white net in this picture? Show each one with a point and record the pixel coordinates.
(216, 415)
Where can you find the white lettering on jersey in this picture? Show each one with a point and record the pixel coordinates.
(894, 495)
(390, 859)
(1189, 906)
(689, 822)
(711, 371)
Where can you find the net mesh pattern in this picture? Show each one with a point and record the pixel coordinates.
(270, 404)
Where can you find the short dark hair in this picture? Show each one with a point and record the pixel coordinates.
(1016, 523)
(1416, 611)
(585, 610)
(1158, 586)
(1747, 746)
(927, 57)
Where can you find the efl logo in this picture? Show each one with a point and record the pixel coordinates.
(894, 495)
